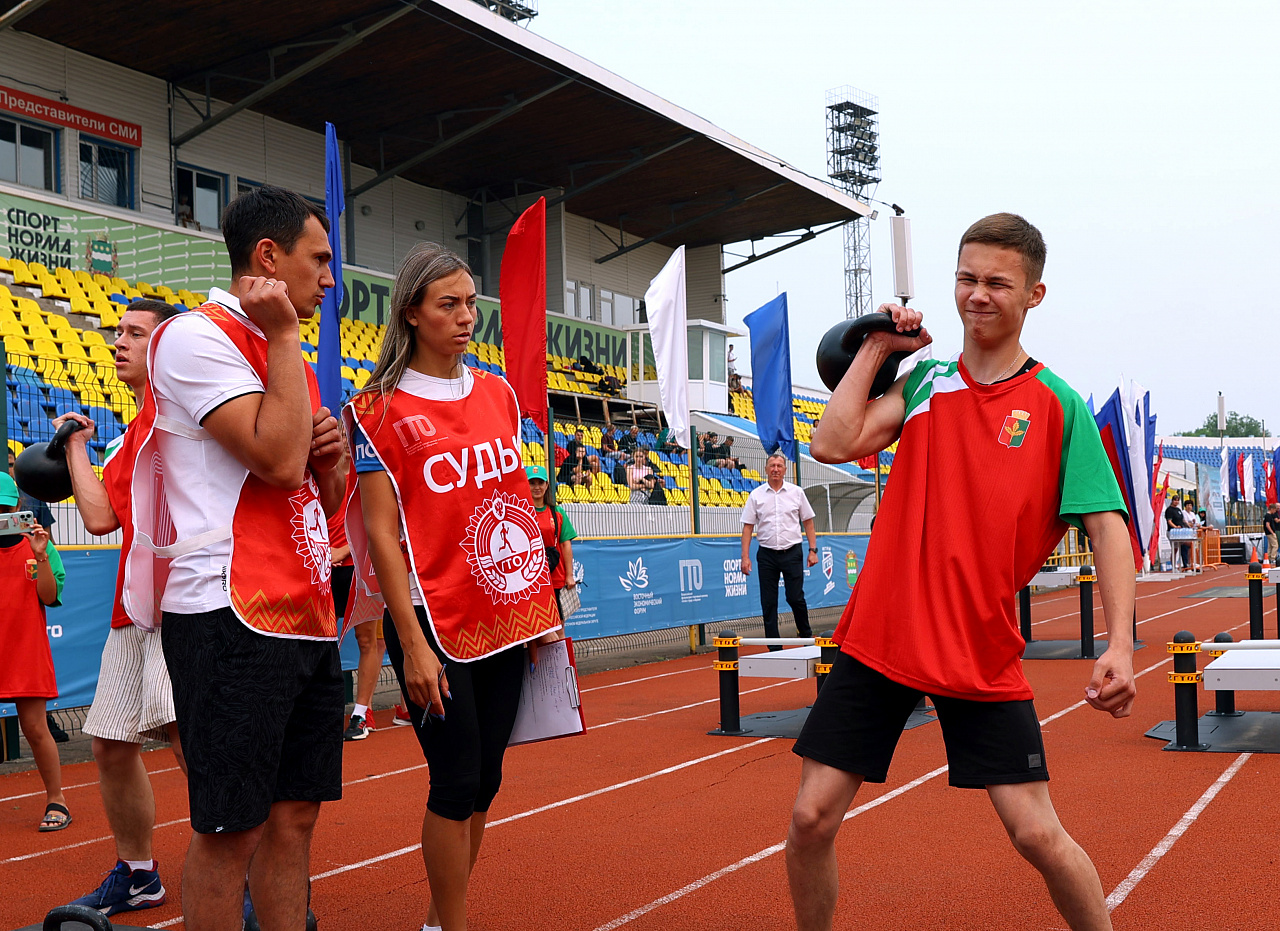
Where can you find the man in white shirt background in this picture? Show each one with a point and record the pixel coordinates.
(776, 512)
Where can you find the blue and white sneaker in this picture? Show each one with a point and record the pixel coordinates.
(126, 890)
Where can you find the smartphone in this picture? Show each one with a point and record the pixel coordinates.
(17, 522)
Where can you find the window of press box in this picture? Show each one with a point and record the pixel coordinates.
(716, 351)
(695, 355)
(201, 195)
(28, 155)
(106, 173)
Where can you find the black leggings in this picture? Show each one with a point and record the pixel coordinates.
(464, 751)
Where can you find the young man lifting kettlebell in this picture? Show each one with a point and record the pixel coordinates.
(997, 456)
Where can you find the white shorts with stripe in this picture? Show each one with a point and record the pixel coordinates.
(134, 699)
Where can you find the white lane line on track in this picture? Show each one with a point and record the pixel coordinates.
(762, 854)
(82, 785)
(168, 824)
(1098, 594)
(560, 804)
(1121, 892)
(83, 843)
(663, 675)
(778, 848)
(525, 814)
(709, 701)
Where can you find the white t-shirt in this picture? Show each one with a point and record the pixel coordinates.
(777, 515)
(196, 369)
(429, 388)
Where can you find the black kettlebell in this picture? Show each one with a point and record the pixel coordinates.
(81, 914)
(842, 342)
(41, 469)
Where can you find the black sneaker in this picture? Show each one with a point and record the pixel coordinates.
(357, 729)
(55, 731)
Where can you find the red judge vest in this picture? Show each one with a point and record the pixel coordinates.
(470, 532)
(117, 477)
(279, 581)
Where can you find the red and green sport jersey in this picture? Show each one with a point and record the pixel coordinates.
(984, 482)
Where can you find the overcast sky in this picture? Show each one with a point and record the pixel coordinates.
(1143, 139)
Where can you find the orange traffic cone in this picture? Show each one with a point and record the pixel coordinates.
(1266, 560)
(1254, 557)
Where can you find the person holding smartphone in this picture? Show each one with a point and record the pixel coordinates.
(451, 537)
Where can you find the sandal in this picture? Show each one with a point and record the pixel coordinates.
(56, 817)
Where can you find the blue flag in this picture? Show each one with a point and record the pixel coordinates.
(329, 352)
(771, 376)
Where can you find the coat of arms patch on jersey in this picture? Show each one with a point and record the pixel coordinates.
(1015, 429)
(504, 547)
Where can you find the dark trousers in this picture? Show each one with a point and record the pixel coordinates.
(789, 564)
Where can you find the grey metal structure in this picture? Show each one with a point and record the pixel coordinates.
(853, 163)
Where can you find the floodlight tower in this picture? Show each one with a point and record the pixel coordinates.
(853, 163)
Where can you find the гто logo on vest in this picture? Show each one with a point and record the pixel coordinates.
(499, 547)
(311, 532)
(414, 433)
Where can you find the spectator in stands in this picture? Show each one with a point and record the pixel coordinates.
(656, 488)
(727, 448)
(185, 216)
(609, 441)
(778, 512)
(1173, 520)
(628, 442)
(637, 471)
(134, 698)
(716, 453)
(575, 463)
(459, 652)
(31, 578)
(578, 442)
(667, 442)
(557, 532)
(246, 452)
(732, 361)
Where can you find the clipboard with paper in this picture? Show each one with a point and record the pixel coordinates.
(550, 705)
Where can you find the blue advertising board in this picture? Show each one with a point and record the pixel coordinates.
(626, 586)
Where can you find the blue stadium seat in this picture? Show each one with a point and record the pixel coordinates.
(368, 364)
(307, 347)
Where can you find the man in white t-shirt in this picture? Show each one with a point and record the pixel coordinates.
(259, 702)
(777, 511)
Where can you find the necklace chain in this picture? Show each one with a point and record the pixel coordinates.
(1005, 372)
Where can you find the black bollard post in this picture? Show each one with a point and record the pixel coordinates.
(1086, 578)
(1255, 575)
(828, 658)
(727, 665)
(1024, 612)
(1185, 680)
(1224, 704)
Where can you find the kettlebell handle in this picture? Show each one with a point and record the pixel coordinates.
(59, 441)
(78, 913)
(875, 322)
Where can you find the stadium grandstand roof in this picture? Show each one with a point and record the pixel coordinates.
(450, 95)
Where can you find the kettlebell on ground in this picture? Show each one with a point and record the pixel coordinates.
(842, 342)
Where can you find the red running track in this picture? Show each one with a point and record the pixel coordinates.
(648, 823)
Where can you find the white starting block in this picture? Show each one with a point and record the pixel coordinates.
(1250, 665)
(1273, 576)
(796, 663)
(1055, 578)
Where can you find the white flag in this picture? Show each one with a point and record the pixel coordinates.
(1135, 428)
(1250, 490)
(1224, 481)
(668, 328)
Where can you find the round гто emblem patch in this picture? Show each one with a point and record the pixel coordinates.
(504, 548)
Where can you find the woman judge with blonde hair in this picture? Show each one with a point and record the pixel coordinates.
(454, 542)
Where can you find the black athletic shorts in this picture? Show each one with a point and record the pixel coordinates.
(260, 718)
(464, 751)
(859, 715)
(340, 581)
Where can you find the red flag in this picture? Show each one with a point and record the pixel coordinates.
(522, 288)
(869, 462)
(1155, 476)
(1157, 506)
(1269, 470)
